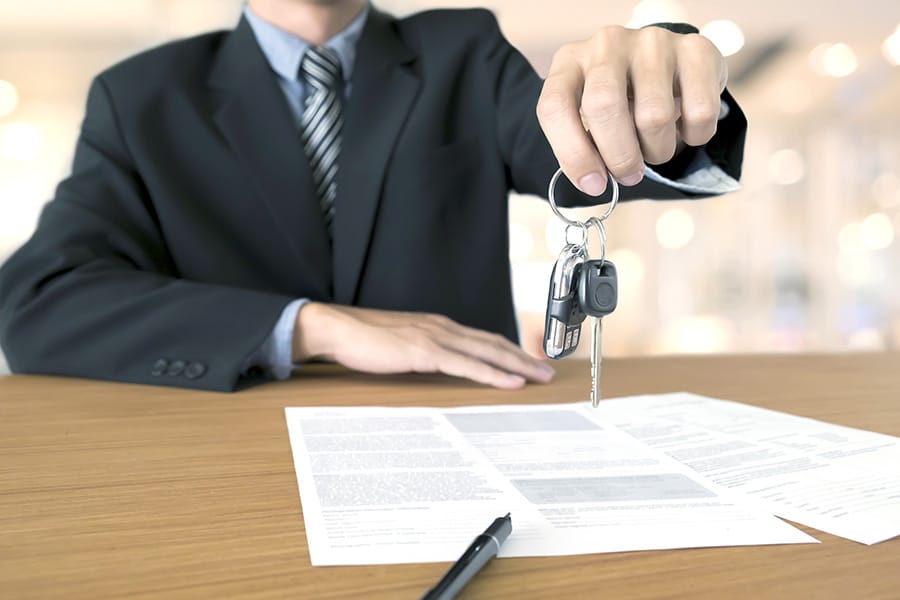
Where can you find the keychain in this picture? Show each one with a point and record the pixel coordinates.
(580, 288)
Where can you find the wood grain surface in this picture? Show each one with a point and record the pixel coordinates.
(119, 491)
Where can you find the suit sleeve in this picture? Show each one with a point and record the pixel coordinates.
(94, 292)
(530, 160)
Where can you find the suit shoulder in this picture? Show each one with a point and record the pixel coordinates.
(456, 23)
(450, 17)
(178, 58)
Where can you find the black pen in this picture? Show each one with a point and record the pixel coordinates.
(482, 550)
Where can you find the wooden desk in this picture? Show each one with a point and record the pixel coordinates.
(116, 491)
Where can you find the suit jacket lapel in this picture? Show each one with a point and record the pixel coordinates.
(383, 89)
(257, 124)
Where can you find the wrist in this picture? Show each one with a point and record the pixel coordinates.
(314, 332)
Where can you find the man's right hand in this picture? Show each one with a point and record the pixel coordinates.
(380, 341)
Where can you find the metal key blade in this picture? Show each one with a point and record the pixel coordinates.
(596, 357)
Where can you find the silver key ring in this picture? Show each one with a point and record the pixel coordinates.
(582, 228)
(601, 231)
(551, 196)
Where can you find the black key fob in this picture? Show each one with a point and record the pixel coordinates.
(598, 288)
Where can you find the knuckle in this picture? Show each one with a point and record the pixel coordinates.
(695, 42)
(654, 35)
(419, 337)
(700, 113)
(439, 320)
(498, 341)
(603, 102)
(609, 35)
(554, 104)
(653, 114)
(624, 163)
(565, 53)
(577, 161)
(701, 54)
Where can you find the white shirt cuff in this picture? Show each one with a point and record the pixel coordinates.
(701, 177)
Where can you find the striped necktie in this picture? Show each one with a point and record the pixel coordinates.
(322, 123)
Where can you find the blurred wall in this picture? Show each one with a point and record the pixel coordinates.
(804, 258)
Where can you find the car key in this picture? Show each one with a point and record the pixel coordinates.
(596, 358)
(562, 324)
(598, 287)
(598, 292)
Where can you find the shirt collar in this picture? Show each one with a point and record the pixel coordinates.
(284, 50)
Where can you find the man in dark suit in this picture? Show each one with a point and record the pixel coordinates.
(328, 182)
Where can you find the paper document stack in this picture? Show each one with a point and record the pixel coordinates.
(395, 485)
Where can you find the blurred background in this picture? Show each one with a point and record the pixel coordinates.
(804, 258)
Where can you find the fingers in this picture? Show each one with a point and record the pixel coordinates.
(654, 104)
(440, 345)
(379, 341)
(605, 107)
(494, 350)
(558, 111)
(462, 365)
(702, 73)
(633, 91)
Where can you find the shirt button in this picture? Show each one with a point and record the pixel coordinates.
(159, 367)
(176, 368)
(195, 370)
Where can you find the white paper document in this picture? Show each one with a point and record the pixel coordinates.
(836, 479)
(395, 485)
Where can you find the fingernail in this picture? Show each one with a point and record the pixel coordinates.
(632, 178)
(592, 184)
(516, 381)
(546, 373)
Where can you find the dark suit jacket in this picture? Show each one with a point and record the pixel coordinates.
(189, 219)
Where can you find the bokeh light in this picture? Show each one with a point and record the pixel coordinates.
(20, 142)
(867, 339)
(837, 60)
(725, 34)
(786, 167)
(9, 98)
(891, 47)
(697, 334)
(849, 240)
(876, 231)
(674, 228)
(859, 270)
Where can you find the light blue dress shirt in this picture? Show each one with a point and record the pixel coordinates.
(284, 51)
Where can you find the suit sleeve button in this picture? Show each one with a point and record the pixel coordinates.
(159, 367)
(195, 370)
(176, 368)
